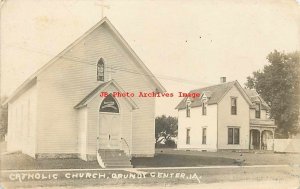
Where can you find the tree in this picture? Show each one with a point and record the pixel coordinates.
(279, 85)
(165, 128)
(3, 121)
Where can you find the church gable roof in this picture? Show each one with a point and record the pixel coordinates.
(215, 94)
(105, 20)
(101, 88)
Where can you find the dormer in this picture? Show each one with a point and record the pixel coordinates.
(188, 107)
(204, 100)
(206, 95)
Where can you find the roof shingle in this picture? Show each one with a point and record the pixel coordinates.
(216, 92)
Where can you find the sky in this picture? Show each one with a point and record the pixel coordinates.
(186, 44)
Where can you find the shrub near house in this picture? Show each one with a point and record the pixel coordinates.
(166, 129)
(3, 122)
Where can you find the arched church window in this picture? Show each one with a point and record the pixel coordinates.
(100, 70)
(109, 104)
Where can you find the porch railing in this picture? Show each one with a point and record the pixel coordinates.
(127, 146)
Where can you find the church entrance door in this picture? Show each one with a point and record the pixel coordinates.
(109, 124)
(109, 131)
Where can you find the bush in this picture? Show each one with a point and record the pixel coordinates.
(3, 122)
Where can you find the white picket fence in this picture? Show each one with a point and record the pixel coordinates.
(285, 145)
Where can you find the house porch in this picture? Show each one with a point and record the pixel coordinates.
(260, 131)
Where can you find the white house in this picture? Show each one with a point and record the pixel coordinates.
(59, 111)
(225, 116)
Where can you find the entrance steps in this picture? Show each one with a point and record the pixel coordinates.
(113, 158)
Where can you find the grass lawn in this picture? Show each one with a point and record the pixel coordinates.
(19, 161)
(174, 160)
(163, 158)
(251, 158)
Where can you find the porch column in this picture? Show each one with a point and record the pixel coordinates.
(273, 139)
(260, 141)
(250, 141)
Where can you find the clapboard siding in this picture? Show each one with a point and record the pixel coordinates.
(82, 132)
(196, 122)
(68, 80)
(241, 120)
(144, 128)
(22, 122)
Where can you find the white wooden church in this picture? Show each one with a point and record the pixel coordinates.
(58, 112)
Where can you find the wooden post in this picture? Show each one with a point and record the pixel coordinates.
(273, 139)
(250, 139)
(260, 136)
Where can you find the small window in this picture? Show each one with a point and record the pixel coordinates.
(203, 135)
(233, 106)
(257, 110)
(188, 137)
(233, 135)
(100, 70)
(204, 108)
(188, 109)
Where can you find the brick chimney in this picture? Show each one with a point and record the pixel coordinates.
(222, 79)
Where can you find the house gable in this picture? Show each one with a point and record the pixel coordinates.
(255, 97)
(241, 90)
(238, 119)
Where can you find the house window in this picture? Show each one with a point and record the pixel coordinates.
(188, 137)
(188, 109)
(233, 106)
(233, 135)
(204, 108)
(203, 135)
(100, 70)
(268, 114)
(257, 110)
